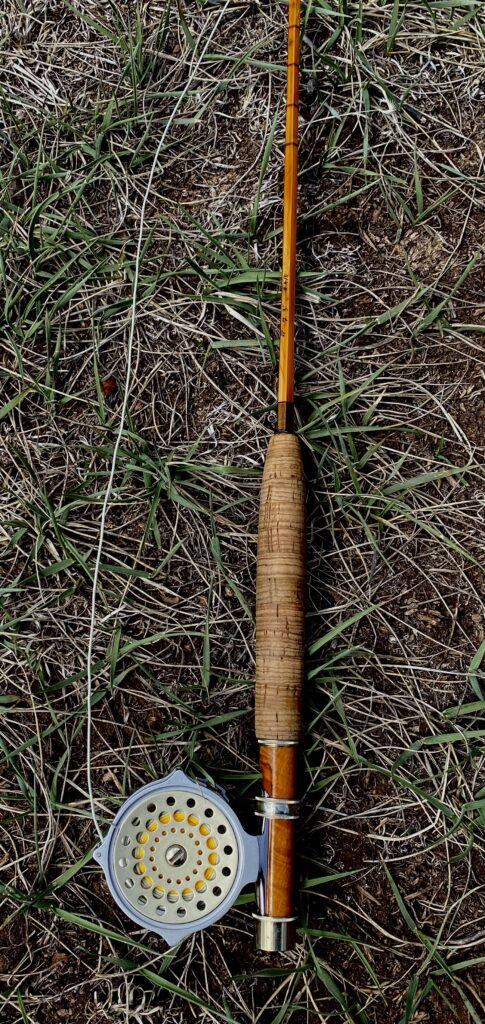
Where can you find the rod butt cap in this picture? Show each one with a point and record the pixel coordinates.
(275, 934)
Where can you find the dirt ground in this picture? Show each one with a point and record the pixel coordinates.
(107, 253)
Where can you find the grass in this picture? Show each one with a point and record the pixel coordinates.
(390, 402)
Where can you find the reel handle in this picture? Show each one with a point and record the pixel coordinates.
(280, 627)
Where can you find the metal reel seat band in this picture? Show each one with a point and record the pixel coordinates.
(275, 807)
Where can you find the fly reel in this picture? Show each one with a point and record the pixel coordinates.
(176, 857)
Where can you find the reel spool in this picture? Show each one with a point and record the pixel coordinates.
(176, 857)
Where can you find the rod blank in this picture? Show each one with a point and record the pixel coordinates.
(288, 268)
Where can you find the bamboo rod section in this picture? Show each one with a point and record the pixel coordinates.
(288, 270)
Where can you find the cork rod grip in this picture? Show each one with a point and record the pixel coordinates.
(280, 583)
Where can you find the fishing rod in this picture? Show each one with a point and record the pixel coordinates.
(280, 582)
(176, 856)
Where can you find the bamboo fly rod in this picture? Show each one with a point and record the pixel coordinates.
(280, 585)
(217, 858)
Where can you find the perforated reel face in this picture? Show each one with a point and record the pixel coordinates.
(176, 855)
